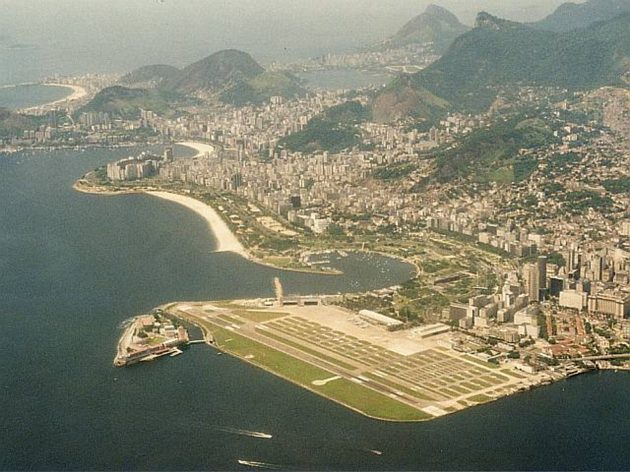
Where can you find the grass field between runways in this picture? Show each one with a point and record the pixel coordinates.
(348, 393)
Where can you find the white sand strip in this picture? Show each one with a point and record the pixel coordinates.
(226, 240)
(202, 149)
(78, 92)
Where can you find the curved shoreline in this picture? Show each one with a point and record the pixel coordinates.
(202, 149)
(226, 239)
(77, 93)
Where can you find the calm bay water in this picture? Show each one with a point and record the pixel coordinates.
(74, 266)
(24, 96)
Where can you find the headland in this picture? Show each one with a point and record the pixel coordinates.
(226, 239)
(148, 337)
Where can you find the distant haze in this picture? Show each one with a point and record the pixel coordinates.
(79, 36)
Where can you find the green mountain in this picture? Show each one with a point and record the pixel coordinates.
(499, 53)
(571, 16)
(491, 154)
(332, 131)
(436, 25)
(14, 124)
(218, 71)
(230, 76)
(150, 75)
(126, 103)
(405, 97)
(261, 88)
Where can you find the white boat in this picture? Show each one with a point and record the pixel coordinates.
(260, 465)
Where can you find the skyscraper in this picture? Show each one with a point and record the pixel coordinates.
(535, 279)
(531, 281)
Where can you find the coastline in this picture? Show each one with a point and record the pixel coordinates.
(248, 340)
(226, 239)
(202, 149)
(77, 93)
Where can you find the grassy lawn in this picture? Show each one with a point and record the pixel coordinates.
(450, 393)
(278, 261)
(278, 362)
(481, 398)
(513, 374)
(319, 355)
(397, 386)
(344, 391)
(459, 389)
(154, 341)
(230, 319)
(492, 381)
(500, 378)
(470, 386)
(259, 316)
(370, 402)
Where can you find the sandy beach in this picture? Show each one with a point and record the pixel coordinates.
(202, 149)
(226, 240)
(78, 93)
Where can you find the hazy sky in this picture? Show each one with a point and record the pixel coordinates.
(117, 35)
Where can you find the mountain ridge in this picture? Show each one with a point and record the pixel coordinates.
(229, 76)
(571, 16)
(500, 53)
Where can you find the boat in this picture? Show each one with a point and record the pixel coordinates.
(260, 465)
(245, 432)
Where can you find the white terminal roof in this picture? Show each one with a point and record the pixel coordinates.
(381, 319)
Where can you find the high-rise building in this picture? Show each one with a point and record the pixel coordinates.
(531, 281)
(535, 279)
(542, 271)
(597, 267)
(168, 154)
(571, 260)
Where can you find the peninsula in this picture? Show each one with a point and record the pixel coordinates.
(148, 337)
(361, 360)
(223, 228)
(371, 352)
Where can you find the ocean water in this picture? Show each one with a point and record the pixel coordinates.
(24, 96)
(74, 266)
(39, 38)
